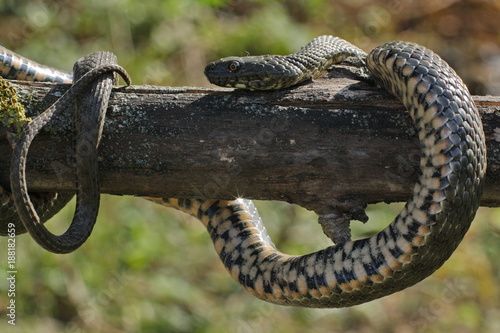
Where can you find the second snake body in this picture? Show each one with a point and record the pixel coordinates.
(419, 240)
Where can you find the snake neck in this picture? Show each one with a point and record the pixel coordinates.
(322, 52)
(318, 56)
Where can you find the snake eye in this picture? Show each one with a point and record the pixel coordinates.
(234, 66)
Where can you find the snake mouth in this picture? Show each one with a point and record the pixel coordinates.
(241, 82)
(258, 84)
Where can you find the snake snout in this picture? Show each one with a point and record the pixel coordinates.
(210, 68)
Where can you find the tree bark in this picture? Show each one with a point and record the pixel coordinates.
(314, 145)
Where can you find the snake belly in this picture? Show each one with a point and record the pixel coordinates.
(419, 240)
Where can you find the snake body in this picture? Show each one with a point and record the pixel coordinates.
(16, 67)
(424, 234)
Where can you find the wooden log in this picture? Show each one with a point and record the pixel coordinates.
(315, 145)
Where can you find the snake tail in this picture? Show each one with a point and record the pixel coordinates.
(87, 181)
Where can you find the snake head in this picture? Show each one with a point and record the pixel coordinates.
(253, 72)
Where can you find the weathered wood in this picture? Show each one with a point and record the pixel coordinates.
(333, 138)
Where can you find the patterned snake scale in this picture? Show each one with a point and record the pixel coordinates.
(419, 240)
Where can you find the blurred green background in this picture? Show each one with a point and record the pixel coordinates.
(151, 269)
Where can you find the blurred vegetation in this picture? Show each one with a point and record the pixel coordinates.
(151, 269)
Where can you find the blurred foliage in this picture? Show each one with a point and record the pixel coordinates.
(151, 269)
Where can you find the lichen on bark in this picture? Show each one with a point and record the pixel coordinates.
(12, 113)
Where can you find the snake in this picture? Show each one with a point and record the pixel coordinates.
(93, 79)
(421, 237)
